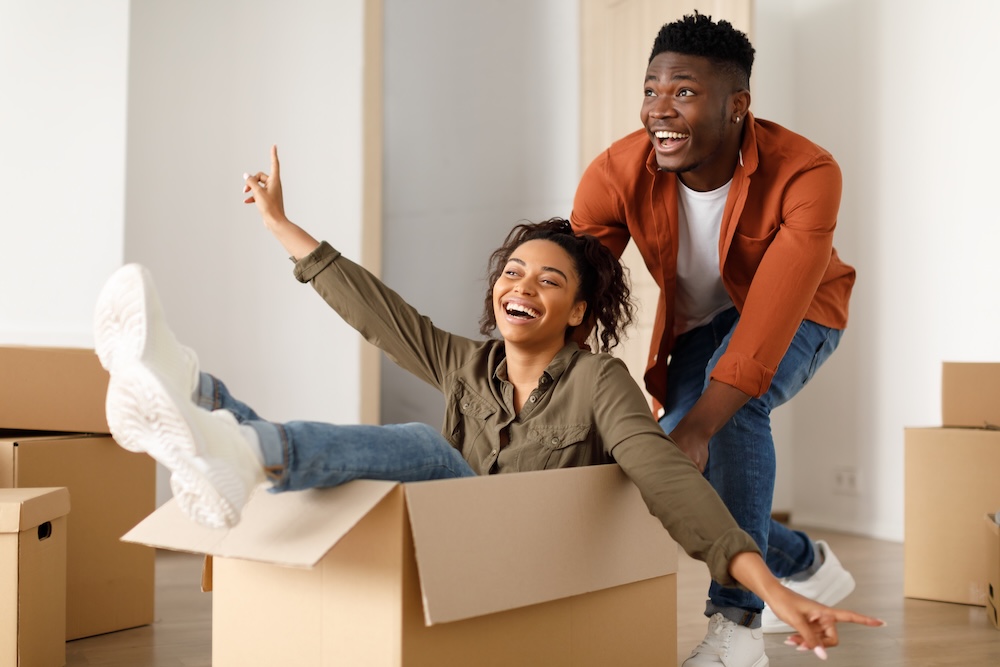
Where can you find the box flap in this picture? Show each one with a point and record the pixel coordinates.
(489, 544)
(21, 509)
(294, 528)
(52, 389)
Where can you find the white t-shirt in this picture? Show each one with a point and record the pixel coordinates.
(700, 294)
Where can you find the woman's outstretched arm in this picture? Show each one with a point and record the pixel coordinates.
(265, 191)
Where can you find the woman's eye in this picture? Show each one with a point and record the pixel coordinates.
(649, 93)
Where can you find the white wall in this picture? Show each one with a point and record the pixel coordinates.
(481, 132)
(480, 118)
(901, 93)
(211, 87)
(63, 72)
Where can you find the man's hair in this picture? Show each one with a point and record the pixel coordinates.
(603, 281)
(697, 35)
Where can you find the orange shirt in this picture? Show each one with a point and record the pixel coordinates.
(776, 253)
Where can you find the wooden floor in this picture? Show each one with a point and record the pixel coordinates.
(919, 633)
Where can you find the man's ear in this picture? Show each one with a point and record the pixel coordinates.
(741, 103)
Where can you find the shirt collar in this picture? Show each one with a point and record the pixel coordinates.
(553, 371)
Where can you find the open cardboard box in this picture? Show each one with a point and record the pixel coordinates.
(556, 568)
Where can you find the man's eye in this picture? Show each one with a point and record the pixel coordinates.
(685, 92)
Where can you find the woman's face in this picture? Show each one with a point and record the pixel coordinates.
(535, 297)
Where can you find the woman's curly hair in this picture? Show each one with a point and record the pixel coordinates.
(603, 280)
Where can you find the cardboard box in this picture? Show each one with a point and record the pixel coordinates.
(109, 584)
(951, 482)
(970, 394)
(992, 569)
(52, 389)
(556, 568)
(33, 577)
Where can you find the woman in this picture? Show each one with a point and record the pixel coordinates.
(530, 400)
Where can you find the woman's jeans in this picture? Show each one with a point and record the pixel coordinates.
(741, 461)
(306, 455)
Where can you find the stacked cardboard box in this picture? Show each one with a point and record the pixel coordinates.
(53, 433)
(993, 569)
(33, 577)
(556, 568)
(951, 482)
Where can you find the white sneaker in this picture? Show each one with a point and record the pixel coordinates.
(729, 644)
(829, 585)
(129, 325)
(213, 464)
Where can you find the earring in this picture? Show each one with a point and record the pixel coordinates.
(736, 120)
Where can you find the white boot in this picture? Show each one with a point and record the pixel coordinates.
(129, 325)
(214, 463)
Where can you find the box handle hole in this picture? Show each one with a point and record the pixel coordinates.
(45, 531)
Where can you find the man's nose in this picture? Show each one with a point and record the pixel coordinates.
(663, 107)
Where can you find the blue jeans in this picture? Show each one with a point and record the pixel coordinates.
(306, 455)
(741, 461)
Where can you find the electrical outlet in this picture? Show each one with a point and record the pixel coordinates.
(845, 481)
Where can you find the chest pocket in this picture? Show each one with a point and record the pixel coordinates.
(559, 437)
(472, 413)
(550, 447)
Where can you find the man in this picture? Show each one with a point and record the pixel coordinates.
(734, 217)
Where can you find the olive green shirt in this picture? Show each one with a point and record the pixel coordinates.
(586, 409)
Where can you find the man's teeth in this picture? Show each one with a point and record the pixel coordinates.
(670, 135)
(521, 311)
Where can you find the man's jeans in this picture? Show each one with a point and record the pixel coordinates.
(741, 461)
(306, 455)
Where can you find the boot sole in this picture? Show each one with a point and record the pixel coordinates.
(144, 416)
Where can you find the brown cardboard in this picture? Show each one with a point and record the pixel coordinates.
(33, 577)
(109, 584)
(562, 567)
(992, 569)
(951, 482)
(52, 389)
(970, 394)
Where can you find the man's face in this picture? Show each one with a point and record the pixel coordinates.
(688, 109)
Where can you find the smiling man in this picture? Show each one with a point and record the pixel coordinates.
(734, 217)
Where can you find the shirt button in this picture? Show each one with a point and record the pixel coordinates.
(555, 441)
(533, 399)
(465, 406)
(544, 380)
(493, 453)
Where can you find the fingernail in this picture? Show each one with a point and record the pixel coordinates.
(245, 176)
(789, 642)
(802, 647)
(820, 652)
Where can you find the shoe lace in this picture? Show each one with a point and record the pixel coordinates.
(716, 641)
